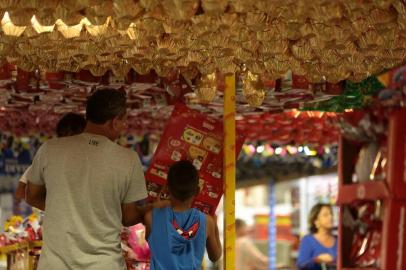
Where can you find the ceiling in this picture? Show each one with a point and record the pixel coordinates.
(306, 55)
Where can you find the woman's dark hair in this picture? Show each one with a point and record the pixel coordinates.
(104, 105)
(183, 180)
(239, 223)
(70, 124)
(314, 214)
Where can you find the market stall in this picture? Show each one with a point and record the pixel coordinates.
(237, 61)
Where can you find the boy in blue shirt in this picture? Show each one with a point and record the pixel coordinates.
(178, 234)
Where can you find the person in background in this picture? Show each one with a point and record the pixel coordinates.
(70, 124)
(248, 256)
(89, 187)
(320, 246)
(178, 234)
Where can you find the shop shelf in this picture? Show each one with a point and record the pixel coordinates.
(391, 191)
(36, 244)
(397, 154)
(361, 268)
(393, 235)
(371, 190)
(13, 247)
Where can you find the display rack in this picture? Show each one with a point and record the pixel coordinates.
(391, 191)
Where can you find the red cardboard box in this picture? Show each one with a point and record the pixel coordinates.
(396, 154)
(198, 138)
(393, 239)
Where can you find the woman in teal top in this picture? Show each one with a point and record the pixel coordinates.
(319, 247)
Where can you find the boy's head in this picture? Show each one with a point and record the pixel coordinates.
(70, 124)
(183, 181)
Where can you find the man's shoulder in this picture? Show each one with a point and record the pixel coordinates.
(62, 141)
(124, 152)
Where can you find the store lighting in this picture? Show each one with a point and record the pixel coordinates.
(300, 149)
(296, 113)
(278, 151)
(309, 152)
(41, 28)
(9, 28)
(269, 150)
(260, 149)
(292, 150)
(327, 150)
(252, 149)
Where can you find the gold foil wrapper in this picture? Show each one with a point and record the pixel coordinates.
(334, 39)
(253, 89)
(180, 9)
(214, 7)
(143, 68)
(302, 50)
(206, 88)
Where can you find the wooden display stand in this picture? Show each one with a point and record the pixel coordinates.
(391, 191)
(11, 252)
(25, 247)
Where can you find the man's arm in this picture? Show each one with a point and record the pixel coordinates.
(36, 190)
(36, 195)
(133, 214)
(22, 184)
(135, 191)
(20, 192)
(148, 224)
(213, 244)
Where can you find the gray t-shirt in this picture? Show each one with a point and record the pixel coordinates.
(87, 178)
(23, 178)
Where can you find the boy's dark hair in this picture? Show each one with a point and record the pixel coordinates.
(70, 124)
(183, 180)
(314, 214)
(104, 105)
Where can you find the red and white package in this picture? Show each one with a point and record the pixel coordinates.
(191, 135)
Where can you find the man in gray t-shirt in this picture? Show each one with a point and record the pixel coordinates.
(89, 187)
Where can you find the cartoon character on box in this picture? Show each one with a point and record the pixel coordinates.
(176, 156)
(197, 156)
(160, 173)
(212, 145)
(209, 191)
(214, 170)
(154, 189)
(192, 136)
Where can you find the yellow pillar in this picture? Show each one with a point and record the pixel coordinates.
(229, 173)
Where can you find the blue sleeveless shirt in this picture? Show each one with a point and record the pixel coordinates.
(170, 250)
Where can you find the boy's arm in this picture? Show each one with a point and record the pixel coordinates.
(148, 215)
(148, 222)
(213, 244)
